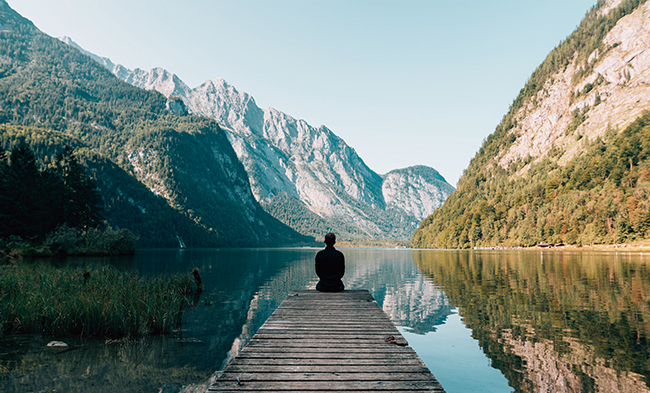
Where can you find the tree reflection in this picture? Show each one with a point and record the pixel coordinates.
(553, 321)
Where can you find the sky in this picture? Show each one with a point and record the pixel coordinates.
(403, 82)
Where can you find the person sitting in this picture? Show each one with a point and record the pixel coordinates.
(330, 266)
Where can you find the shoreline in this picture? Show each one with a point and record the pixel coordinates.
(641, 246)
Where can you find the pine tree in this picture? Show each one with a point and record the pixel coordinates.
(28, 208)
(4, 192)
(81, 200)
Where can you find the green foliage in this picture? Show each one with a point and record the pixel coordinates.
(294, 213)
(581, 202)
(93, 241)
(601, 196)
(166, 176)
(99, 301)
(35, 201)
(82, 207)
(579, 116)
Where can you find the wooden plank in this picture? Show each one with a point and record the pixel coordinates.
(324, 376)
(292, 347)
(322, 342)
(307, 355)
(324, 386)
(331, 346)
(301, 368)
(326, 362)
(366, 390)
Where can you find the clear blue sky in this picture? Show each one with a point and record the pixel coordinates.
(403, 82)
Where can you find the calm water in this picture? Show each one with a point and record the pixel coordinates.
(482, 321)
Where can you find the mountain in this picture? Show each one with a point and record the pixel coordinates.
(570, 160)
(172, 178)
(305, 176)
(416, 190)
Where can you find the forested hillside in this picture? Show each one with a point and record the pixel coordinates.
(168, 177)
(570, 161)
(307, 177)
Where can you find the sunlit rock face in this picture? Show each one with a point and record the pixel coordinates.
(291, 163)
(417, 190)
(613, 94)
(286, 155)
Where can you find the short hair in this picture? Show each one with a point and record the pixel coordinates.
(330, 238)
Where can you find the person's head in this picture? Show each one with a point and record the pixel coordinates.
(330, 239)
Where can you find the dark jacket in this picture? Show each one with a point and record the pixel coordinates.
(330, 268)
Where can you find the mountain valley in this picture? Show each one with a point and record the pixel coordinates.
(305, 176)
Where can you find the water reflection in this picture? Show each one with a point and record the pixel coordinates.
(242, 288)
(553, 322)
(409, 299)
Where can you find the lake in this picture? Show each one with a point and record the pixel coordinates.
(482, 321)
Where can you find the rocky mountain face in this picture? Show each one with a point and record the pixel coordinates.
(569, 162)
(305, 176)
(608, 90)
(173, 179)
(417, 190)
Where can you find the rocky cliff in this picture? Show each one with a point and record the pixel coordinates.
(607, 90)
(570, 161)
(306, 176)
(416, 190)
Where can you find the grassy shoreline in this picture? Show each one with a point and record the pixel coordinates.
(91, 302)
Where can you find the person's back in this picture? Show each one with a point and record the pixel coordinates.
(330, 266)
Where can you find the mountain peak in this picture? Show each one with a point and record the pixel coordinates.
(302, 173)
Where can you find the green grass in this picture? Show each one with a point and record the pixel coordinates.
(39, 298)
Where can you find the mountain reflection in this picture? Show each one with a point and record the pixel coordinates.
(553, 321)
(390, 275)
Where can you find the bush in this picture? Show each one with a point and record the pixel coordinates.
(64, 241)
(116, 242)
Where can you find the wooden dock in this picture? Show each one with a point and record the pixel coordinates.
(327, 342)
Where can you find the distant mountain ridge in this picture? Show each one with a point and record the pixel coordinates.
(306, 176)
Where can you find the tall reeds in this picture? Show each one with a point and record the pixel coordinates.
(99, 301)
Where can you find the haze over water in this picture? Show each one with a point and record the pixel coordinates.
(482, 321)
